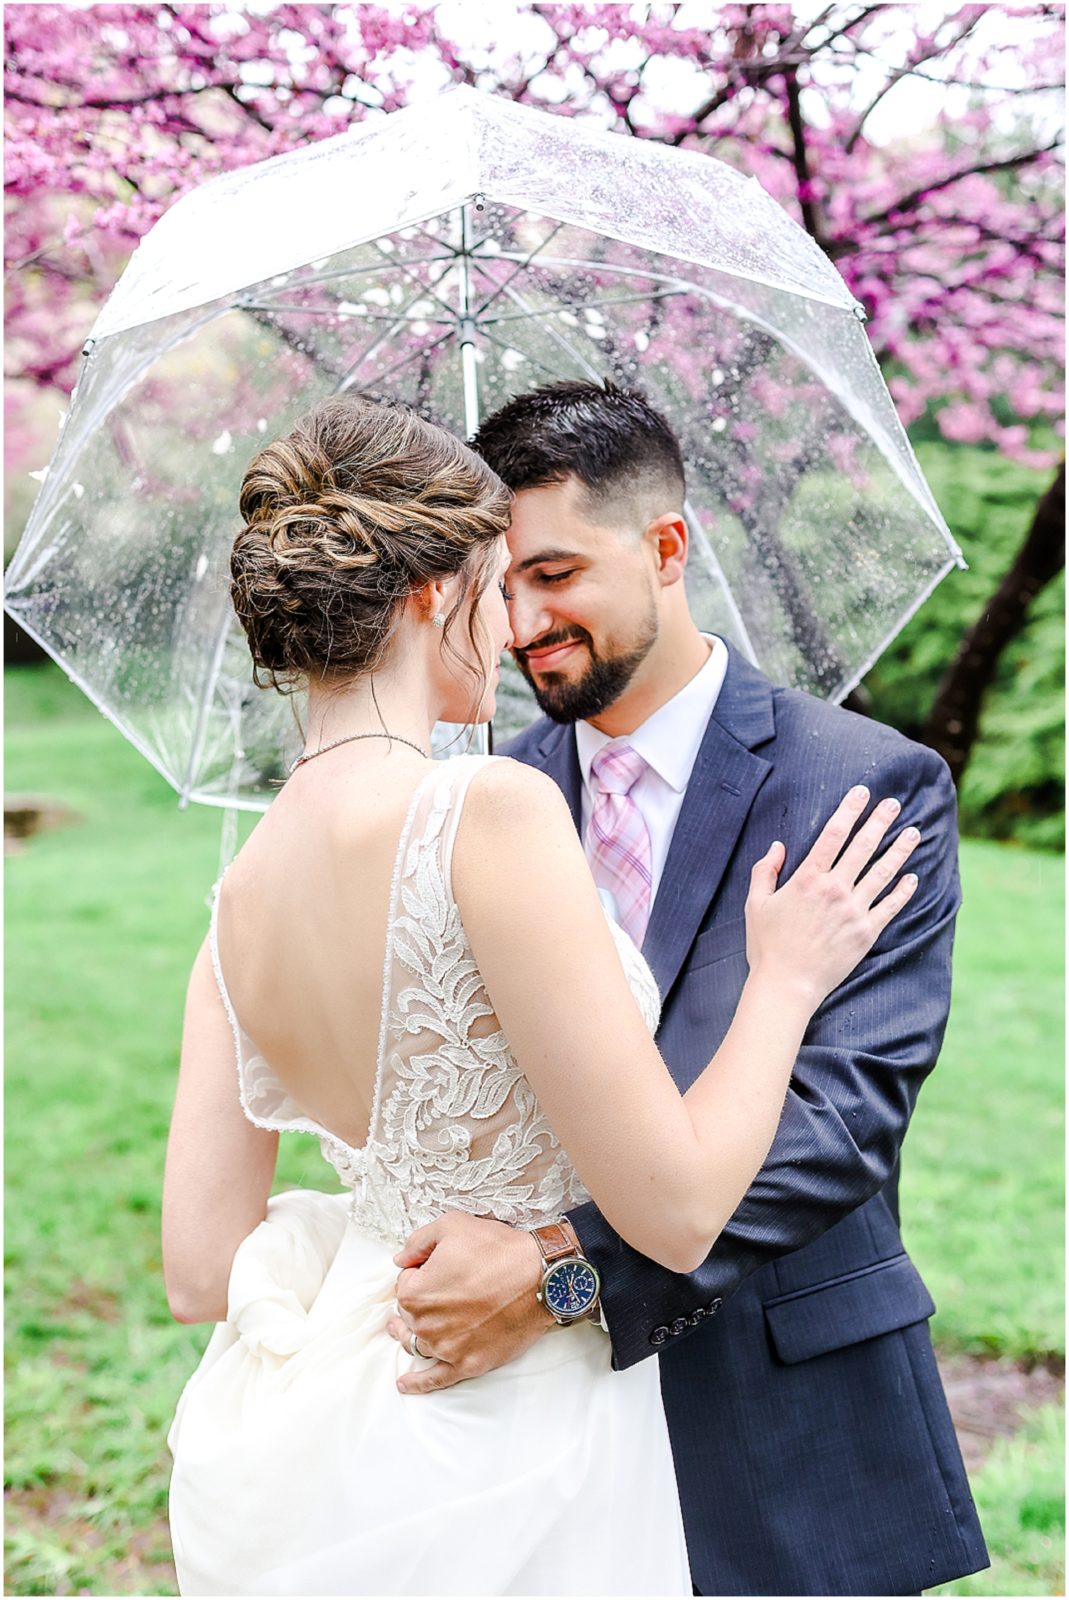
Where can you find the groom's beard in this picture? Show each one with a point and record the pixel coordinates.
(594, 690)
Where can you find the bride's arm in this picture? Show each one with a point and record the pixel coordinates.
(219, 1166)
(666, 1171)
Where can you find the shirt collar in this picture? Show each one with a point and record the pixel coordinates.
(669, 740)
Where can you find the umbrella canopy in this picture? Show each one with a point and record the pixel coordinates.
(452, 255)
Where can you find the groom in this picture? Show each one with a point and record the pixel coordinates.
(813, 1446)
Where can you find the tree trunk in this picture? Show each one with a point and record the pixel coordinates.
(955, 715)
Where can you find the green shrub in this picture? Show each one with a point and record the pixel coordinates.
(1014, 785)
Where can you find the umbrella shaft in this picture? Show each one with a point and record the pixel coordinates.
(471, 385)
(468, 366)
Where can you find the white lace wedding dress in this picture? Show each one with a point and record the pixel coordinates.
(298, 1467)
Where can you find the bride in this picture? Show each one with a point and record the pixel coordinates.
(409, 959)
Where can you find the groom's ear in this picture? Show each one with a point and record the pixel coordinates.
(667, 537)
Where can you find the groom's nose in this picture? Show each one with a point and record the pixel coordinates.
(529, 616)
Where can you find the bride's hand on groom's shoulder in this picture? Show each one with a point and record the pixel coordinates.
(467, 1292)
(812, 931)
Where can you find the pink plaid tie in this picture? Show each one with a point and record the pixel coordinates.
(618, 841)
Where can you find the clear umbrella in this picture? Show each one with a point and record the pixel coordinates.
(454, 254)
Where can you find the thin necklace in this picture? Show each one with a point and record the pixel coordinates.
(310, 755)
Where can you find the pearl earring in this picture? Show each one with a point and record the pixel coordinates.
(438, 621)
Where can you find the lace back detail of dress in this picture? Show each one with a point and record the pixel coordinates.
(454, 1123)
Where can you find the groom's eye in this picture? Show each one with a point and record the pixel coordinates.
(557, 577)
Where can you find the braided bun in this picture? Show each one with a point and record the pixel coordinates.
(362, 504)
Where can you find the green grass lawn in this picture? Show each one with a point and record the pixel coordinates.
(103, 919)
(982, 1179)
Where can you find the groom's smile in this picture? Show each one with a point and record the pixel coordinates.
(547, 656)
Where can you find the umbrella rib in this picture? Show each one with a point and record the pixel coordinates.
(454, 249)
(511, 349)
(847, 684)
(427, 289)
(520, 267)
(874, 429)
(413, 355)
(688, 284)
(382, 338)
(702, 540)
(200, 732)
(355, 272)
(680, 285)
(396, 322)
(358, 315)
(558, 338)
(72, 437)
(451, 249)
(587, 305)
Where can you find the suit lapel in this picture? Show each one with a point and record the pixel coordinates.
(723, 785)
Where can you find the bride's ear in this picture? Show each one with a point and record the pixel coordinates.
(435, 601)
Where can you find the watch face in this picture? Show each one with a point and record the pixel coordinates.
(571, 1287)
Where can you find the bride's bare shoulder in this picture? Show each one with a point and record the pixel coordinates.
(507, 795)
(515, 821)
(516, 834)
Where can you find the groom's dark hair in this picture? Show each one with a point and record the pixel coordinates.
(612, 440)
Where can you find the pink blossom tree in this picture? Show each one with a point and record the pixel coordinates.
(951, 237)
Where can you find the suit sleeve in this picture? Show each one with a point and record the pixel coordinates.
(852, 1092)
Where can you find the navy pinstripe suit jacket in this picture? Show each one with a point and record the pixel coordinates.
(814, 1450)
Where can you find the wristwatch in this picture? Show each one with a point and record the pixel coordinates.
(570, 1284)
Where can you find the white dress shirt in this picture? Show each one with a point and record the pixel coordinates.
(668, 742)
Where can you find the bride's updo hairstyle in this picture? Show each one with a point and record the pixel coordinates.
(360, 506)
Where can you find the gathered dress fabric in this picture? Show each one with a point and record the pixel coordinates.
(299, 1469)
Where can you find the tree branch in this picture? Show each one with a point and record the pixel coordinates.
(906, 70)
(847, 27)
(795, 122)
(88, 103)
(917, 195)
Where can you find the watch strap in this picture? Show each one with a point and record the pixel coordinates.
(555, 1242)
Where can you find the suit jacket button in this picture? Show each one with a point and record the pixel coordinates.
(680, 1325)
(658, 1336)
(714, 1307)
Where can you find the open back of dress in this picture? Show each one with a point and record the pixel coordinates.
(454, 1124)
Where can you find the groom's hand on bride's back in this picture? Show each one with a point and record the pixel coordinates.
(468, 1292)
